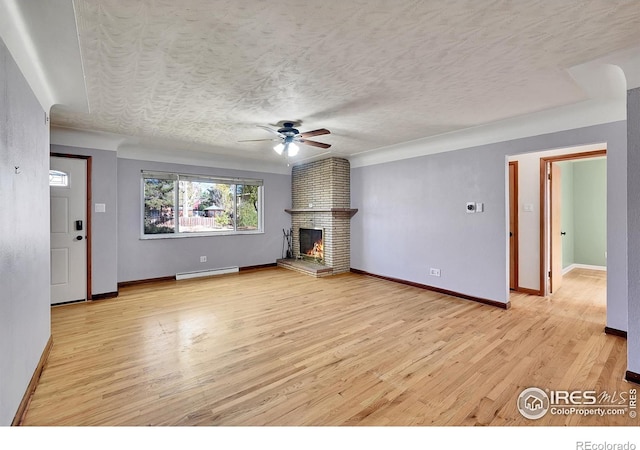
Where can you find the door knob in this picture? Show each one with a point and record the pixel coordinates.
(78, 238)
(563, 233)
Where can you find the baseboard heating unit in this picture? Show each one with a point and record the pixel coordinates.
(206, 273)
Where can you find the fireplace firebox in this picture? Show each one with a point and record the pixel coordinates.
(311, 245)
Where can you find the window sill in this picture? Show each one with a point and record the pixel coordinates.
(151, 237)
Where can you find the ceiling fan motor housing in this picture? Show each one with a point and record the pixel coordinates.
(288, 130)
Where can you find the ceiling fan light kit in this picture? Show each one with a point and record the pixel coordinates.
(289, 149)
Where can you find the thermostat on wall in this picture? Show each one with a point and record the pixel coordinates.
(471, 207)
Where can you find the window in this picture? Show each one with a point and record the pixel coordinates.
(247, 199)
(159, 201)
(58, 179)
(205, 205)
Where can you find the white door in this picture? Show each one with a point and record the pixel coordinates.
(68, 191)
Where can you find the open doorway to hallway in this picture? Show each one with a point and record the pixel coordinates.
(531, 253)
(573, 226)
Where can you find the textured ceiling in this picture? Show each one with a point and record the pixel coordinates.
(374, 72)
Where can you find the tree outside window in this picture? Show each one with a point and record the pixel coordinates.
(159, 206)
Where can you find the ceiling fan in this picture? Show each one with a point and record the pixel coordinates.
(288, 137)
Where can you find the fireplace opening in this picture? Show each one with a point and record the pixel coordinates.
(311, 246)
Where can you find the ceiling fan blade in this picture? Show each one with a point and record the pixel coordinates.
(258, 140)
(317, 132)
(271, 130)
(313, 143)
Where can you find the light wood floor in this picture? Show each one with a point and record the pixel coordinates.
(274, 347)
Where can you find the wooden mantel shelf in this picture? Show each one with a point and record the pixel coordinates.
(351, 211)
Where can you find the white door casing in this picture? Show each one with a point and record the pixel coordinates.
(68, 242)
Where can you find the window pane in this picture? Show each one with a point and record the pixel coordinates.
(205, 206)
(247, 206)
(159, 206)
(57, 178)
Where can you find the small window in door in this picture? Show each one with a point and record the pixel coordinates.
(58, 179)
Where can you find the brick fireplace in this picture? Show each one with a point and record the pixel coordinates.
(321, 199)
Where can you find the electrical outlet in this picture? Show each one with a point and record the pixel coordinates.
(203, 259)
(434, 272)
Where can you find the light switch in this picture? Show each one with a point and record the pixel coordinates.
(479, 207)
(100, 207)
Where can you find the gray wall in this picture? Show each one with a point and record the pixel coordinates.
(140, 259)
(412, 217)
(104, 226)
(24, 236)
(633, 129)
(414, 212)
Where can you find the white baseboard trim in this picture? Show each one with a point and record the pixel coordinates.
(568, 269)
(206, 273)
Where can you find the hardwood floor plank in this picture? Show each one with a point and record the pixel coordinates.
(274, 347)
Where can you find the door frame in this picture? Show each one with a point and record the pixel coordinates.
(544, 214)
(88, 208)
(516, 239)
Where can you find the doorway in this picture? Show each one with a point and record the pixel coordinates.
(69, 185)
(551, 232)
